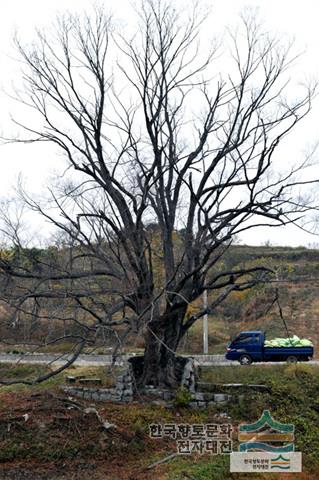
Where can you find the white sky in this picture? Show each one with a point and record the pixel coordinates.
(295, 18)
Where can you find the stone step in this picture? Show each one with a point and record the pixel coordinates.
(90, 381)
(74, 378)
(205, 387)
(213, 387)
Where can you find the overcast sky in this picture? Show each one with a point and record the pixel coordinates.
(294, 18)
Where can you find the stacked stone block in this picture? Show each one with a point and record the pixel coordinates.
(123, 391)
(188, 378)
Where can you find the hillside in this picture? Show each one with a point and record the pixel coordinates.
(298, 273)
(297, 292)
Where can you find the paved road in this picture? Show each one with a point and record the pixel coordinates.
(100, 360)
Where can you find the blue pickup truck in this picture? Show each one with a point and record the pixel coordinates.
(249, 347)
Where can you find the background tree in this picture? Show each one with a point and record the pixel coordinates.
(167, 140)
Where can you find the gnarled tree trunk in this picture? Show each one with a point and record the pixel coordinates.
(161, 365)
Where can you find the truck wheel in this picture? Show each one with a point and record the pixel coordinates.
(245, 360)
(292, 359)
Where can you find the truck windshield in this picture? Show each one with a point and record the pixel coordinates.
(244, 339)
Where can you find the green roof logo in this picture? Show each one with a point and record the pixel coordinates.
(266, 419)
(280, 462)
(260, 436)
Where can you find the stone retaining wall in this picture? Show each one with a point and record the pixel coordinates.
(198, 400)
(124, 389)
(98, 394)
(204, 400)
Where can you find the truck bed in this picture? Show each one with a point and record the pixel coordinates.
(302, 353)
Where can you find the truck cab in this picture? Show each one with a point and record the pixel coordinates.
(246, 347)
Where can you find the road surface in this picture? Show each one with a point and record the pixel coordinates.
(100, 360)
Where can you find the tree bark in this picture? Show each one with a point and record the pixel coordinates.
(161, 366)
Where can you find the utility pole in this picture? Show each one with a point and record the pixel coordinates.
(205, 324)
(205, 301)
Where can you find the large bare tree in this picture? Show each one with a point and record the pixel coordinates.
(171, 151)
